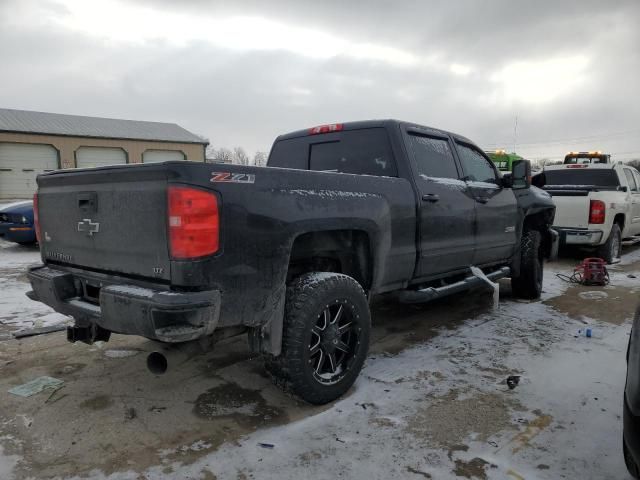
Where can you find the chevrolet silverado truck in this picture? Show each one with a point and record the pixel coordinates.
(597, 205)
(290, 253)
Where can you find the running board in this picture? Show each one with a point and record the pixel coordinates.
(431, 293)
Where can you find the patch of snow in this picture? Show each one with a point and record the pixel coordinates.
(333, 194)
(7, 464)
(131, 290)
(451, 182)
(579, 378)
(484, 185)
(16, 310)
(120, 353)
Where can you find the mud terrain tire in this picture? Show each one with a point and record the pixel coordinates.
(325, 339)
(528, 284)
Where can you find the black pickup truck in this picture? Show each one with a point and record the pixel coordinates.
(292, 253)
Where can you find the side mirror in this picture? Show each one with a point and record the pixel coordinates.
(521, 174)
(507, 180)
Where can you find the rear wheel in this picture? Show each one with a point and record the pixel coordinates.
(610, 251)
(528, 284)
(325, 339)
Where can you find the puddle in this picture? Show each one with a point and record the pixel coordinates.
(246, 407)
(610, 304)
(474, 468)
(99, 402)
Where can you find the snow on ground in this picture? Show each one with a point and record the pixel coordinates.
(440, 409)
(16, 310)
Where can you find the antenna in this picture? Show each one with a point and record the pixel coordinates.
(515, 135)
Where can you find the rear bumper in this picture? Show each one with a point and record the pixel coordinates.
(157, 314)
(573, 236)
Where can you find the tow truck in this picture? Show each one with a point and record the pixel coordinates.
(587, 157)
(502, 159)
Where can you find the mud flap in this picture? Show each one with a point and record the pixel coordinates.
(267, 337)
(494, 285)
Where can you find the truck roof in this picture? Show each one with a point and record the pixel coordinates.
(579, 166)
(356, 125)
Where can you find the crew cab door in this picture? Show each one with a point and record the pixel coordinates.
(495, 206)
(633, 223)
(446, 207)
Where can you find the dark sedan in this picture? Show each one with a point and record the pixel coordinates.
(16, 223)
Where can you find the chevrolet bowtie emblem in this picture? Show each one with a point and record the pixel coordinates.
(86, 225)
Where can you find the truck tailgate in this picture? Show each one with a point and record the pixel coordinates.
(571, 211)
(108, 219)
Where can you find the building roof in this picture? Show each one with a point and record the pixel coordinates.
(24, 121)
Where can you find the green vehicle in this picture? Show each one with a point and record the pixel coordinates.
(503, 160)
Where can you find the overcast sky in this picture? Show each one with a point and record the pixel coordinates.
(240, 73)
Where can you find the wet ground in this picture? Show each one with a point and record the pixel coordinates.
(431, 403)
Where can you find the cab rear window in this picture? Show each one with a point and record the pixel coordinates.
(365, 152)
(586, 177)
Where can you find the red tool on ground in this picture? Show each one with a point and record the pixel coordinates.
(592, 271)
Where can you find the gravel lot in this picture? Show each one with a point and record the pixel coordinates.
(431, 402)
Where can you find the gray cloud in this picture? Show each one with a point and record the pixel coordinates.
(248, 97)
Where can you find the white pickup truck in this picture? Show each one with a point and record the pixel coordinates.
(597, 205)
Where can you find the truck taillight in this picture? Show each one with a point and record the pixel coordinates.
(194, 222)
(596, 211)
(36, 216)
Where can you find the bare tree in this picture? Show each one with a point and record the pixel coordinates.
(240, 157)
(260, 159)
(223, 155)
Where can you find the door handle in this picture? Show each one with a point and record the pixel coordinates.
(430, 197)
(482, 199)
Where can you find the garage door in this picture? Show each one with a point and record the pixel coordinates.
(151, 156)
(20, 163)
(87, 157)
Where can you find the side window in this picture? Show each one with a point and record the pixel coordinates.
(632, 182)
(636, 175)
(433, 156)
(365, 152)
(290, 153)
(476, 167)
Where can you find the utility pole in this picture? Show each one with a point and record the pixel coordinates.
(515, 135)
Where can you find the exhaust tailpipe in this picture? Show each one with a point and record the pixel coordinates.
(170, 356)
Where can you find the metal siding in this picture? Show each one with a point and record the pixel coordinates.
(20, 164)
(74, 125)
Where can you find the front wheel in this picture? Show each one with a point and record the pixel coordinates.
(325, 339)
(528, 284)
(610, 250)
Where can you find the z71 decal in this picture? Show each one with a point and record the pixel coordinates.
(227, 177)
